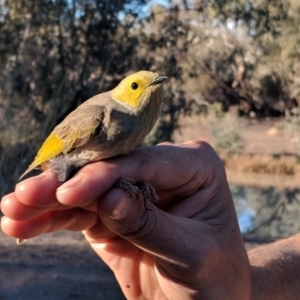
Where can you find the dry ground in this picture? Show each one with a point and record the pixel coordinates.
(58, 266)
(54, 266)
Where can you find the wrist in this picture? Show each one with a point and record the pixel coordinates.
(275, 270)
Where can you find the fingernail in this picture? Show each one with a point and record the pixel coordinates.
(19, 184)
(23, 181)
(122, 206)
(70, 183)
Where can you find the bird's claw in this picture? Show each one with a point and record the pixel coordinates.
(145, 188)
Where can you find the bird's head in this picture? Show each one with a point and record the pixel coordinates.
(139, 89)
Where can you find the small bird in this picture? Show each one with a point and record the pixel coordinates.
(109, 124)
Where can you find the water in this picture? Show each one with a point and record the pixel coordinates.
(266, 205)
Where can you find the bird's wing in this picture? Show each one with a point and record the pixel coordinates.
(78, 127)
(74, 131)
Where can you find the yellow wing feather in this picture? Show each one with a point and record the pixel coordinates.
(73, 132)
(52, 147)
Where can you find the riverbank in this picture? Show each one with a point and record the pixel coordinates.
(267, 146)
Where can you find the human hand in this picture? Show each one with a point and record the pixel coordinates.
(190, 247)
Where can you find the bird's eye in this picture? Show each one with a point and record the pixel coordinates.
(134, 85)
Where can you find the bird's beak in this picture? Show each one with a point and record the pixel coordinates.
(157, 80)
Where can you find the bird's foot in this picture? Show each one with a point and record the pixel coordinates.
(149, 193)
(133, 188)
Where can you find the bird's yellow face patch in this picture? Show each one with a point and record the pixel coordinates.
(131, 90)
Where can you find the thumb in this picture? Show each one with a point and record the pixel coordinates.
(129, 216)
(168, 238)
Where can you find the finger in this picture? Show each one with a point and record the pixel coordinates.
(16, 210)
(73, 219)
(216, 196)
(38, 191)
(98, 233)
(169, 168)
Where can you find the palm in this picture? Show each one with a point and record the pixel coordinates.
(135, 270)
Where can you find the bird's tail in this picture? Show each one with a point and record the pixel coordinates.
(29, 169)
